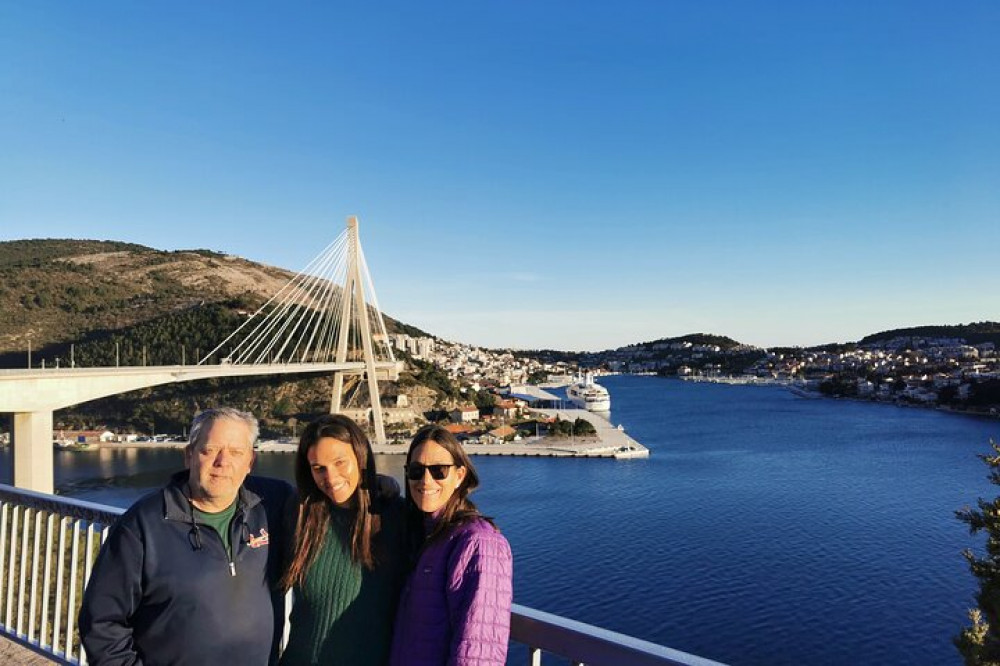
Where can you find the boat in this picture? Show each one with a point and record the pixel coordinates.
(584, 393)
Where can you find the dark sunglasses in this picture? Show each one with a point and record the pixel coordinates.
(415, 471)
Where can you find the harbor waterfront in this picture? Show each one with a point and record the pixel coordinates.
(763, 528)
(608, 442)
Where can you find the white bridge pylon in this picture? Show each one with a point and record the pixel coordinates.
(328, 313)
(325, 320)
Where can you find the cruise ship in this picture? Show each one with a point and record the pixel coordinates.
(584, 393)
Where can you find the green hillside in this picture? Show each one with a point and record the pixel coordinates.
(24, 253)
(973, 334)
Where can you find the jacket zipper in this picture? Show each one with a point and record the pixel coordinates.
(232, 555)
(238, 517)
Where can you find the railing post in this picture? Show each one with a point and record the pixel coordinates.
(50, 526)
(33, 606)
(22, 564)
(88, 562)
(60, 570)
(71, 606)
(11, 562)
(3, 547)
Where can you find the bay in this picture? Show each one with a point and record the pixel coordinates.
(763, 529)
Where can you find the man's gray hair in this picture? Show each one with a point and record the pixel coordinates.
(203, 421)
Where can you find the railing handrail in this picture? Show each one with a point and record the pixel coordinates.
(67, 506)
(585, 643)
(540, 631)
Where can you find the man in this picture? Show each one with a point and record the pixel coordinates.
(189, 574)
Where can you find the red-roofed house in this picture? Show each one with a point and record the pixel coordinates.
(507, 409)
(500, 435)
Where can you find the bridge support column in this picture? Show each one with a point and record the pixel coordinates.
(33, 460)
(337, 394)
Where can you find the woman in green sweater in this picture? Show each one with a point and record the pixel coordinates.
(348, 563)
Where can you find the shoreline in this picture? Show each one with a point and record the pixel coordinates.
(609, 442)
(812, 394)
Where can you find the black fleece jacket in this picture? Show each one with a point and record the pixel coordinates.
(164, 590)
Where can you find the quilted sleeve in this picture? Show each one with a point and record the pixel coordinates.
(479, 592)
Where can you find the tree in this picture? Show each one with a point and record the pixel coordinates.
(979, 644)
(483, 400)
(582, 428)
(538, 376)
(985, 393)
(948, 395)
(560, 428)
(283, 407)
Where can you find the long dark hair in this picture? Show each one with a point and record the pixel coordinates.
(314, 506)
(459, 508)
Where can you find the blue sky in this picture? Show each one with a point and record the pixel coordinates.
(576, 175)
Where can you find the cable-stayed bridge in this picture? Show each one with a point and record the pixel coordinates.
(325, 320)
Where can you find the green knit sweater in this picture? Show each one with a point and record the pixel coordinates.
(343, 614)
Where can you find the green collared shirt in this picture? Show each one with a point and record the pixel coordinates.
(221, 522)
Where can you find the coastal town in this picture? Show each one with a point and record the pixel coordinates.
(906, 369)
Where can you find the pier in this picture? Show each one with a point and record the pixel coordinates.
(609, 442)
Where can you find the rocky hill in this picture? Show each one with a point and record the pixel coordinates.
(55, 291)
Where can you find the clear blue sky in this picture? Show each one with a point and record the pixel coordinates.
(577, 175)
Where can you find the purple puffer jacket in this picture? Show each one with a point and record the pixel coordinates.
(455, 607)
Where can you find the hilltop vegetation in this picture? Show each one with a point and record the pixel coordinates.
(58, 291)
(974, 334)
(22, 253)
(179, 337)
(720, 341)
(557, 356)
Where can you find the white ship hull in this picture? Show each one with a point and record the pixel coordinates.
(585, 394)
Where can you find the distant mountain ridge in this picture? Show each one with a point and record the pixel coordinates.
(721, 341)
(973, 333)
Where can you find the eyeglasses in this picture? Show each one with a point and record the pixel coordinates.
(415, 471)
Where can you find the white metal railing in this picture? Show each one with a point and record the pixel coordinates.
(586, 644)
(47, 549)
(59, 538)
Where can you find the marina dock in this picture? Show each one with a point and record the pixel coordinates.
(609, 442)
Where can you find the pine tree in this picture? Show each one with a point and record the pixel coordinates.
(979, 643)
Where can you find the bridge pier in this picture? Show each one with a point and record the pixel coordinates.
(32, 448)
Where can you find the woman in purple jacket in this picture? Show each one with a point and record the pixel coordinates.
(455, 607)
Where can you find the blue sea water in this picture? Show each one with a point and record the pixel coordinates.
(763, 529)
